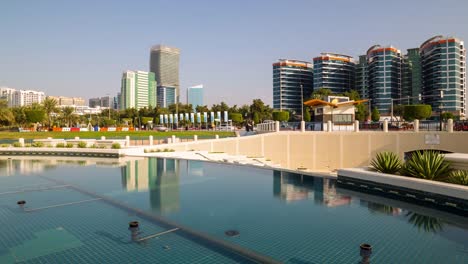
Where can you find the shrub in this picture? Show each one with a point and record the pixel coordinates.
(27, 145)
(411, 112)
(386, 162)
(281, 116)
(4, 145)
(82, 144)
(93, 146)
(115, 145)
(17, 145)
(60, 145)
(458, 177)
(429, 165)
(375, 115)
(69, 145)
(37, 144)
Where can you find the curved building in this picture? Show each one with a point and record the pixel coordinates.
(384, 76)
(335, 72)
(443, 61)
(288, 76)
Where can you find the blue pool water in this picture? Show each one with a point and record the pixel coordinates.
(283, 216)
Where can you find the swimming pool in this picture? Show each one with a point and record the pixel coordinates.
(78, 211)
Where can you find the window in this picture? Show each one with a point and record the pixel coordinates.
(342, 119)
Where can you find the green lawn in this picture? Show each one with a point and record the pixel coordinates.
(133, 134)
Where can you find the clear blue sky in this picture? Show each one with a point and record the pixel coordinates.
(81, 48)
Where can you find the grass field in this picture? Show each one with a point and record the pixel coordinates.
(133, 134)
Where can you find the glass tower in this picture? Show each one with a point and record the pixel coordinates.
(384, 76)
(443, 61)
(166, 96)
(335, 72)
(361, 77)
(138, 90)
(411, 74)
(195, 96)
(164, 62)
(288, 77)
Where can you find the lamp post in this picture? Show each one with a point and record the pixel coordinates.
(302, 103)
(441, 105)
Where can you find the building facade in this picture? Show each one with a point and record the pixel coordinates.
(164, 63)
(362, 85)
(411, 76)
(443, 62)
(384, 77)
(26, 98)
(138, 90)
(335, 72)
(166, 96)
(195, 96)
(293, 82)
(7, 94)
(68, 101)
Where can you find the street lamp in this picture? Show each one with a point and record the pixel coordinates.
(302, 103)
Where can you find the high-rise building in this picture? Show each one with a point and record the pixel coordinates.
(443, 61)
(361, 77)
(138, 90)
(7, 94)
(293, 82)
(164, 62)
(384, 76)
(335, 72)
(166, 96)
(195, 96)
(411, 76)
(26, 98)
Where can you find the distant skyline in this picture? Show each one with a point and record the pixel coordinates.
(81, 48)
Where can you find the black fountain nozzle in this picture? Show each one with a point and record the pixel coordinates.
(133, 224)
(21, 202)
(365, 252)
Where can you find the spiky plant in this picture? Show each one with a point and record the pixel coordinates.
(386, 162)
(427, 164)
(458, 177)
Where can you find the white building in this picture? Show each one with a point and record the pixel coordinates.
(7, 94)
(26, 98)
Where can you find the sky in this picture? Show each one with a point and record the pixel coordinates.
(80, 48)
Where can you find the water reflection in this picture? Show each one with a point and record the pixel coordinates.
(159, 177)
(294, 187)
(30, 165)
(425, 223)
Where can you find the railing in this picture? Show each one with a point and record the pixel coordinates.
(266, 127)
(461, 125)
(296, 126)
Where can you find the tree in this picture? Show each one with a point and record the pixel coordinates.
(281, 116)
(220, 107)
(307, 116)
(50, 107)
(34, 115)
(321, 93)
(263, 111)
(202, 108)
(412, 112)
(375, 115)
(6, 115)
(447, 115)
(353, 95)
(20, 115)
(361, 112)
(236, 118)
(67, 114)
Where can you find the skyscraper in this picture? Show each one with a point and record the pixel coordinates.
(288, 77)
(164, 62)
(384, 76)
(138, 90)
(335, 72)
(443, 61)
(166, 96)
(361, 77)
(195, 96)
(411, 76)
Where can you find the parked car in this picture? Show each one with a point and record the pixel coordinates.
(161, 128)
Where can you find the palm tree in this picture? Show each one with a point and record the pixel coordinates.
(425, 223)
(68, 113)
(50, 106)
